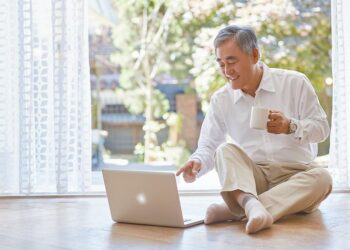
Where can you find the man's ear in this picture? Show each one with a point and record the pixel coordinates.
(256, 55)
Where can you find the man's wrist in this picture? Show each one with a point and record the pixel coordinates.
(292, 126)
(198, 161)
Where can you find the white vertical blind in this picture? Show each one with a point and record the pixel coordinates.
(45, 138)
(340, 133)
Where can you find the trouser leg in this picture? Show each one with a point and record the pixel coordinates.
(237, 171)
(283, 188)
(297, 188)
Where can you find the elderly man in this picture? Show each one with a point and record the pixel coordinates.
(264, 174)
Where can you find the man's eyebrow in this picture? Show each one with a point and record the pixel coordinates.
(229, 58)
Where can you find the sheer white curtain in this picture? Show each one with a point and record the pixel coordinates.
(44, 97)
(340, 134)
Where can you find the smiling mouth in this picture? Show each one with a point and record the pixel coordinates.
(233, 79)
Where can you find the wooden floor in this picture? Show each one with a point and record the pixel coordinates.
(85, 223)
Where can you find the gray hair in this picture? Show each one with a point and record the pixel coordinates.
(244, 37)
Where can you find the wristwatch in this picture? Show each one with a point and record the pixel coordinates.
(292, 126)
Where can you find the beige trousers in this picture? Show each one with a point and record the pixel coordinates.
(282, 187)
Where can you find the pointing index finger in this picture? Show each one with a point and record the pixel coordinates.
(181, 170)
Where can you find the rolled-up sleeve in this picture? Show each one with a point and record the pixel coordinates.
(212, 134)
(312, 122)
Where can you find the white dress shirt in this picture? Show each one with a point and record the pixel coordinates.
(280, 90)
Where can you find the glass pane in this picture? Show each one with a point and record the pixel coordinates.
(172, 99)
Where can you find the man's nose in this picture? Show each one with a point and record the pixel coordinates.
(228, 71)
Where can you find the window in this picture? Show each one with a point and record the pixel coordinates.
(183, 73)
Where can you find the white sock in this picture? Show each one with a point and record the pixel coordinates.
(219, 213)
(258, 217)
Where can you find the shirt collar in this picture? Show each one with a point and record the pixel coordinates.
(265, 84)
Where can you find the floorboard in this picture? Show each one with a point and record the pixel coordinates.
(85, 223)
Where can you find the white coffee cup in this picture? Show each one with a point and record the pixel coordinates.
(258, 117)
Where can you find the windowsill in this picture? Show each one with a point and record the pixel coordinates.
(103, 194)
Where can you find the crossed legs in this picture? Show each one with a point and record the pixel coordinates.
(258, 217)
(290, 188)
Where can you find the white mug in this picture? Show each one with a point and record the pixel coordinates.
(259, 117)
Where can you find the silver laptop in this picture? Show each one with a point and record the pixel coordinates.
(144, 197)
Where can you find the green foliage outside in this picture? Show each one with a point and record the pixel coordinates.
(175, 38)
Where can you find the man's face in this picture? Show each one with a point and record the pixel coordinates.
(236, 65)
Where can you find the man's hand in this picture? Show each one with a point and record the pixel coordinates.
(278, 123)
(190, 170)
